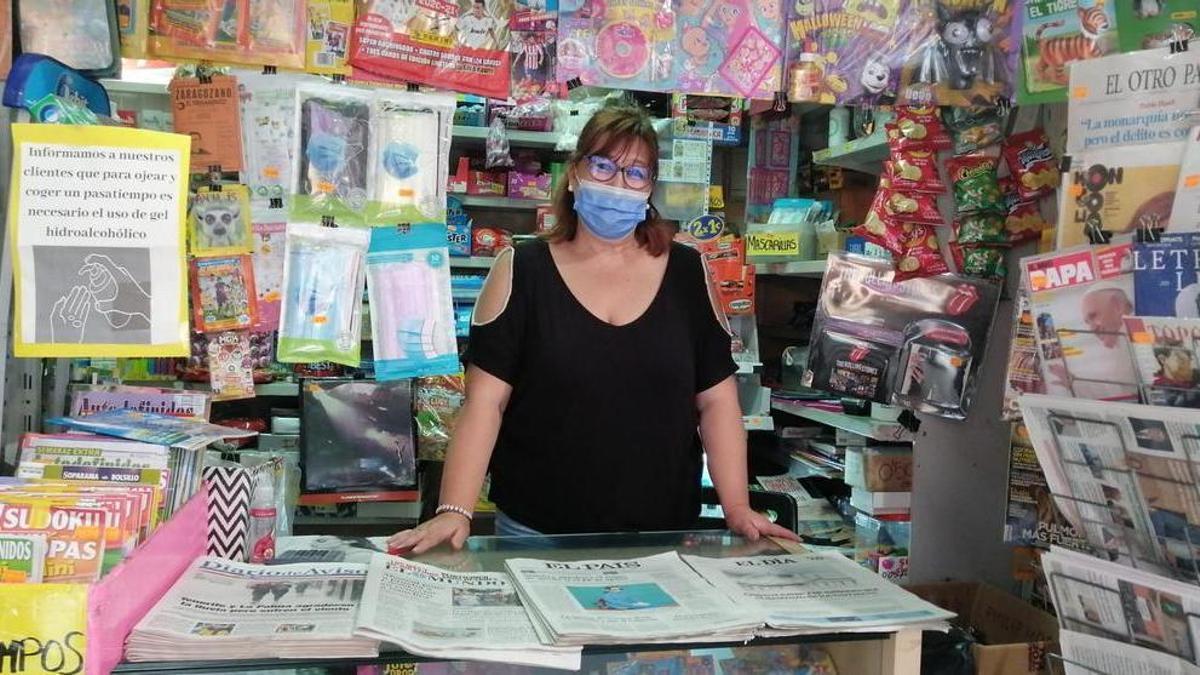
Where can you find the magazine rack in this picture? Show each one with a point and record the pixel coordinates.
(62, 618)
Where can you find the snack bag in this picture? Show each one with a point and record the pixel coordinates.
(1024, 222)
(979, 261)
(917, 127)
(879, 227)
(912, 208)
(975, 128)
(980, 228)
(914, 170)
(922, 256)
(1032, 164)
(976, 187)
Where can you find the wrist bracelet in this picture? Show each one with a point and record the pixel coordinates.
(451, 508)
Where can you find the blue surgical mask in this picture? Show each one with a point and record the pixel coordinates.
(609, 212)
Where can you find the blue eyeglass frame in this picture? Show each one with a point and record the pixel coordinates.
(632, 181)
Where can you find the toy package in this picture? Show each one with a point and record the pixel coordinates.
(534, 51)
(731, 47)
(327, 43)
(80, 33)
(230, 366)
(331, 152)
(251, 32)
(412, 314)
(454, 44)
(219, 220)
(268, 258)
(208, 112)
(1054, 34)
(916, 343)
(323, 279)
(1152, 24)
(268, 137)
(963, 52)
(409, 157)
(845, 52)
(223, 295)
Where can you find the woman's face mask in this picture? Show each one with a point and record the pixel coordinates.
(609, 212)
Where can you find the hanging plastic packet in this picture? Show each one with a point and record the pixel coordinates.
(410, 157)
(436, 401)
(268, 137)
(922, 256)
(331, 153)
(230, 366)
(975, 128)
(250, 32)
(917, 127)
(976, 187)
(912, 208)
(980, 228)
(498, 152)
(1032, 164)
(220, 221)
(979, 261)
(879, 227)
(82, 34)
(412, 313)
(223, 296)
(914, 170)
(268, 260)
(323, 278)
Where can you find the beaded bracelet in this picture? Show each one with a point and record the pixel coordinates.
(451, 508)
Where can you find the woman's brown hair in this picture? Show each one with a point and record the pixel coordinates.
(610, 130)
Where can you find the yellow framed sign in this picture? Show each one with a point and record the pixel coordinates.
(97, 223)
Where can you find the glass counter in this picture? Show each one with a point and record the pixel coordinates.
(853, 653)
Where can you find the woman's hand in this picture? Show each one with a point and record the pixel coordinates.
(752, 525)
(445, 527)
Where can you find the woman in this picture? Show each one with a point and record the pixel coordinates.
(596, 354)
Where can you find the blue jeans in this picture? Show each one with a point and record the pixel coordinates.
(507, 527)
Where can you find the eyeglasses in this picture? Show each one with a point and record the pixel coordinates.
(603, 169)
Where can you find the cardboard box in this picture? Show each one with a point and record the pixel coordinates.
(1015, 635)
(879, 468)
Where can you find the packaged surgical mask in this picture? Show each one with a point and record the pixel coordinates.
(323, 278)
(410, 157)
(412, 313)
(331, 153)
(268, 138)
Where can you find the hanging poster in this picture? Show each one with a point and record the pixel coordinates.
(450, 44)
(1127, 99)
(730, 47)
(97, 230)
(1054, 34)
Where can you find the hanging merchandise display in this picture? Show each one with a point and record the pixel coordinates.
(1078, 297)
(250, 32)
(331, 152)
(409, 157)
(133, 18)
(963, 53)
(733, 47)
(231, 366)
(436, 403)
(412, 316)
(534, 50)
(914, 343)
(207, 110)
(97, 239)
(1055, 35)
(323, 279)
(462, 44)
(219, 221)
(268, 257)
(223, 296)
(327, 43)
(80, 33)
(268, 137)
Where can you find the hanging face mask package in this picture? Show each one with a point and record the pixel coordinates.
(915, 343)
(410, 155)
(412, 314)
(331, 153)
(268, 137)
(323, 279)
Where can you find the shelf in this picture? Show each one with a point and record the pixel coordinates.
(478, 263)
(497, 202)
(525, 139)
(863, 426)
(861, 154)
(758, 423)
(799, 268)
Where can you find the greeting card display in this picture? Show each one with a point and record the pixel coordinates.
(915, 343)
(731, 47)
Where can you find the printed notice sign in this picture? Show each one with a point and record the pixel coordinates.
(1127, 99)
(97, 233)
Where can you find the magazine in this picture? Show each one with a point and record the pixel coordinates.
(1165, 276)
(453, 615)
(653, 599)
(22, 558)
(1123, 475)
(1166, 353)
(1024, 371)
(1185, 212)
(1078, 298)
(220, 609)
(86, 450)
(815, 591)
(1048, 29)
(1132, 606)
(1085, 654)
(151, 428)
(1032, 517)
(192, 404)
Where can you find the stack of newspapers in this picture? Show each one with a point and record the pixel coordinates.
(228, 610)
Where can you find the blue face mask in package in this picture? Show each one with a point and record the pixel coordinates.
(609, 212)
(34, 76)
(332, 175)
(323, 278)
(410, 155)
(412, 314)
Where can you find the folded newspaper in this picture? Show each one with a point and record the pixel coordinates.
(221, 609)
(816, 592)
(453, 615)
(641, 600)
(151, 428)
(1127, 607)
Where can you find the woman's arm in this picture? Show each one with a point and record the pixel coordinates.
(724, 438)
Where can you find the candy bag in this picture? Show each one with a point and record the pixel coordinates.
(436, 402)
(1032, 164)
(974, 128)
(323, 279)
(976, 187)
(410, 157)
(412, 314)
(331, 152)
(914, 170)
(921, 256)
(980, 228)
